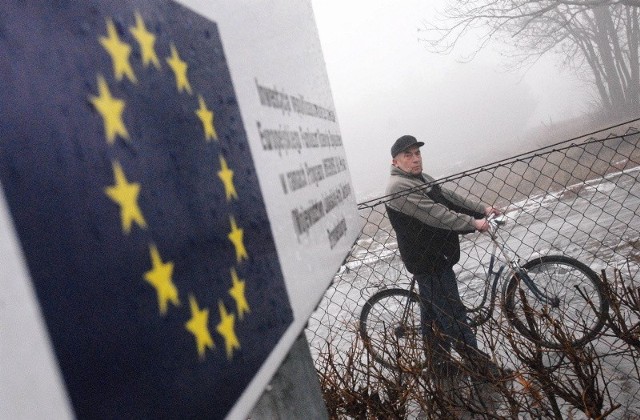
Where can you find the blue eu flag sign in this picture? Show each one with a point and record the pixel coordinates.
(131, 185)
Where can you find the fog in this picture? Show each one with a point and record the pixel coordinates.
(385, 83)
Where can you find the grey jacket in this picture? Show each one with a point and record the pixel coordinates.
(427, 221)
(419, 205)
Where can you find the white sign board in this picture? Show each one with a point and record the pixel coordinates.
(174, 202)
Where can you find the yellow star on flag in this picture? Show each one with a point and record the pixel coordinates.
(226, 175)
(126, 195)
(179, 68)
(197, 326)
(111, 110)
(160, 277)
(119, 52)
(226, 328)
(236, 237)
(237, 292)
(146, 41)
(206, 116)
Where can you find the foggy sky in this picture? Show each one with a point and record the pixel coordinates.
(386, 84)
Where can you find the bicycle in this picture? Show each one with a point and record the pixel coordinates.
(551, 300)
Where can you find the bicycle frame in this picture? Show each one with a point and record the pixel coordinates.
(514, 268)
(514, 265)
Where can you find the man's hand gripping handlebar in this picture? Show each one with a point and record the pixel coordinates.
(492, 213)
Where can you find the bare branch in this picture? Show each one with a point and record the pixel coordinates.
(596, 36)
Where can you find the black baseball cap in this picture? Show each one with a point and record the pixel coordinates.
(403, 143)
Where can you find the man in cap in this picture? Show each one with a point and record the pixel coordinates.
(428, 220)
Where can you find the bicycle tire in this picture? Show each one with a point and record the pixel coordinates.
(580, 314)
(387, 340)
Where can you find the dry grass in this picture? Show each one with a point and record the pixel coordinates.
(566, 383)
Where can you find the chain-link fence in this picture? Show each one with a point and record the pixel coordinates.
(578, 198)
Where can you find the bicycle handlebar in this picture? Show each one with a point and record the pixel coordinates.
(495, 221)
(498, 220)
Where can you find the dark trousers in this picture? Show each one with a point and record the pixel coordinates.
(444, 316)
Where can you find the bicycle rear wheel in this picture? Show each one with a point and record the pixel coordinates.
(578, 313)
(390, 329)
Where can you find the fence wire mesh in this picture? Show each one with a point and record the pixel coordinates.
(578, 198)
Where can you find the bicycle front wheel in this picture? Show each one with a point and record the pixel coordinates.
(570, 310)
(390, 329)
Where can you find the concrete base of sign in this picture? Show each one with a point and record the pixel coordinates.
(294, 392)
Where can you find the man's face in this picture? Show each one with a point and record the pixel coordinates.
(409, 161)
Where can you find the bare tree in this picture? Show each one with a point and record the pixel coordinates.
(599, 39)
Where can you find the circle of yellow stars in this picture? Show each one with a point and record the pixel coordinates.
(126, 193)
